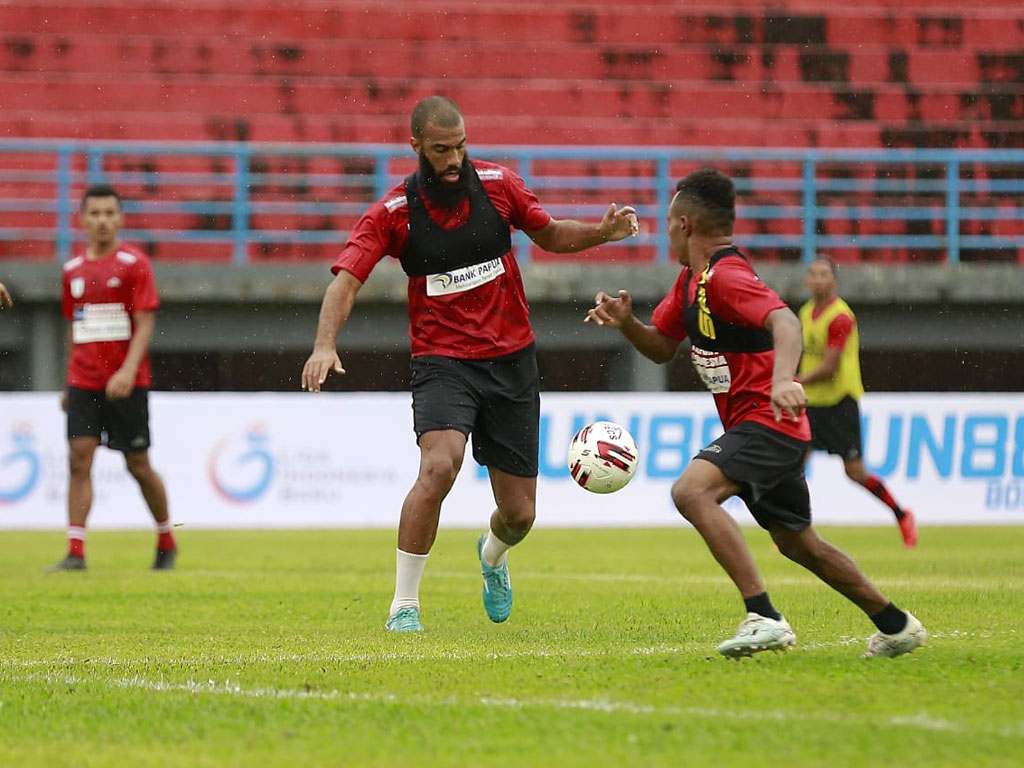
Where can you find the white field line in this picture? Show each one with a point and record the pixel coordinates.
(921, 721)
(929, 582)
(694, 649)
(900, 582)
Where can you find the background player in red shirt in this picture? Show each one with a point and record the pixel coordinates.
(474, 367)
(745, 345)
(109, 297)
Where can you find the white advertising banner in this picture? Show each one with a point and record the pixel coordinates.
(294, 460)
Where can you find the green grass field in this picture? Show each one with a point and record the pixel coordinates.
(267, 648)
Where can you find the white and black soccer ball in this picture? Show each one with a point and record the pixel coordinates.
(602, 457)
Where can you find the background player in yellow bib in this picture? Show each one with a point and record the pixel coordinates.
(830, 374)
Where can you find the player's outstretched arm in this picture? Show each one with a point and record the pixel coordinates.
(5, 297)
(569, 235)
(334, 312)
(788, 398)
(617, 312)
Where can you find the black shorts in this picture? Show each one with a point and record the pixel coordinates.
(768, 466)
(497, 401)
(836, 428)
(122, 425)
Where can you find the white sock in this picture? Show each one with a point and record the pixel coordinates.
(165, 526)
(408, 572)
(495, 550)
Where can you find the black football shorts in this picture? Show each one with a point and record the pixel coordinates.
(123, 425)
(496, 401)
(836, 428)
(768, 466)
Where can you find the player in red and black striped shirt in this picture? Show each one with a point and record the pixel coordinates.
(745, 345)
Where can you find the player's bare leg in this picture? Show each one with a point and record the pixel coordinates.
(516, 500)
(81, 451)
(856, 471)
(698, 494)
(831, 565)
(898, 631)
(441, 454)
(153, 491)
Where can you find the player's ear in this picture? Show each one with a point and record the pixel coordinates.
(415, 144)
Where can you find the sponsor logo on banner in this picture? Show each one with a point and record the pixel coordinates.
(242, 470)
(260, 464)
(277, 459)
(20, 465)
(939, 453)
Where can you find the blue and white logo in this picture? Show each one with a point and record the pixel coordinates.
(242, 469)
(19, 466)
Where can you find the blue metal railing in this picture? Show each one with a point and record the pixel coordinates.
(793, 202)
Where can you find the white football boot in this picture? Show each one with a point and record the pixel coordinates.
(758, 633)
(913, 636)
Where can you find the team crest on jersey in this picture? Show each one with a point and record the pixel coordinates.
(114, 282)
(77, 287)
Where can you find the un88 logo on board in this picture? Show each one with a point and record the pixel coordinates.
(602, 457)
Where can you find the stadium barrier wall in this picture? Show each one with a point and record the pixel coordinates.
(347, 460)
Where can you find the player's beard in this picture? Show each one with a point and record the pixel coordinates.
(445, 194)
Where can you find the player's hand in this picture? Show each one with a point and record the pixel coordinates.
(319, 364)
(5, 297)
(120, 385)
(611, 311)
(788, 400)
(619, 223)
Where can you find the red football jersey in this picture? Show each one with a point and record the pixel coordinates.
(736, 295)
(488, 317)
(99, 296)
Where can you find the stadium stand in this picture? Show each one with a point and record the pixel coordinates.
(791, 73)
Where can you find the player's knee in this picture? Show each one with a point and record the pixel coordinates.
(79, 462)
(519, 517)
(138, 466)
(795, 546)
(438, 472)
(687, 497)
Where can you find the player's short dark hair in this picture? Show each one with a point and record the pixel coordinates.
(713, 197)
(438, 110)
(100, 190)
(828, 261)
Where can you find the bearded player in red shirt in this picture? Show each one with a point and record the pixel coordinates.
(474, 367)
(109, 297)
(745, 345)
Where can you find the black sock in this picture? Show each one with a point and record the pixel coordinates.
(890, 620)
(762, 606)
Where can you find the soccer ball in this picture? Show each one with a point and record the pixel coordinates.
(602, 457)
